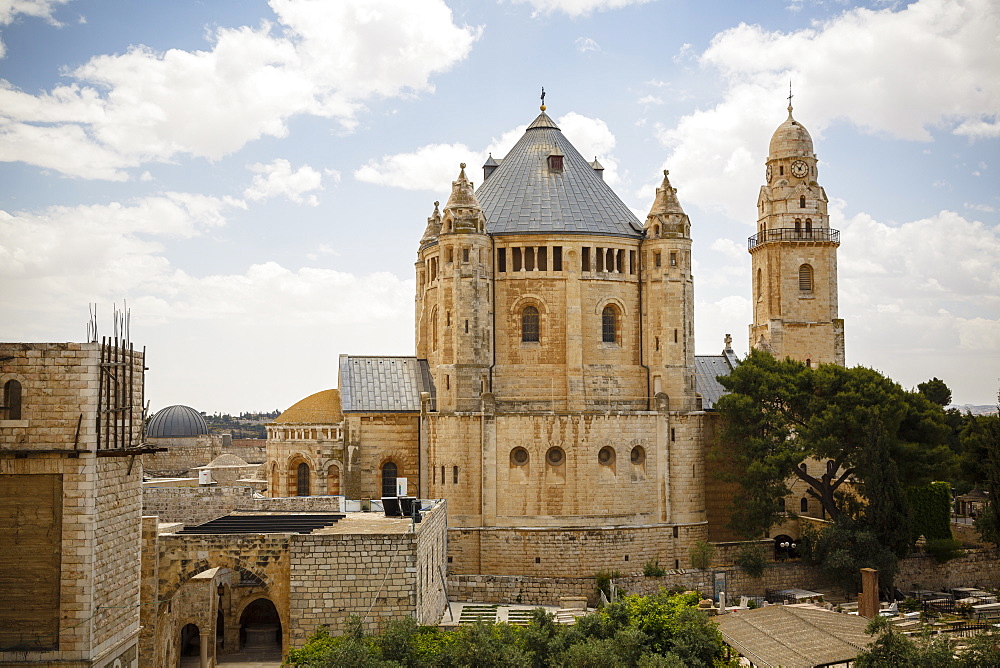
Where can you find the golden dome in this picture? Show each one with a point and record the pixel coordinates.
(320, 408)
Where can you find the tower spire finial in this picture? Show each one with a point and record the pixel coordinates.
(542, 107)
(790, 96)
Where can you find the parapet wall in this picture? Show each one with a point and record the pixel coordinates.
(194, 505)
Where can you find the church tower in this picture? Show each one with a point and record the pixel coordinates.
(794, 256)
(454, 301)
(669, 288)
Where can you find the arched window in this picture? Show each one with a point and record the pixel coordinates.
(609, 325)
(11, 409)
(781, 504)
(302, 480)
(809, 225)
(760, 284)
(802, 201)
(389, 472)
(529, 324)
(434, 329)
(798, 226)
(806, 278)
(804, 505)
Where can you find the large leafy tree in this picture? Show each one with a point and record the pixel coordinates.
(780, 413)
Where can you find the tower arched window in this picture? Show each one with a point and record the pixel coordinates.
(798, 226)
(11, 408)
(806, 278)
(389, 474)
(809, 225)
(529, 324)
(760, 283)
(434, 329)
(804, 505)
(802, 201)
(609, 325)
(302, 480)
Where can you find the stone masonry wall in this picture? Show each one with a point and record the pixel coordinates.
(117, 549)
(979, 568)
(377, 576)
(183, 454)
(518, 589)
(194, 505)
(567, 552)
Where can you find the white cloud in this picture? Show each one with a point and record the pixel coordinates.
(985, 208)
(42, 9)
(585, 44)
(277, 179)
(729, 248)
(104, 254)
(926, 286)
(433, 167)
(323, 59)
(430, 167)
(577, 8)
(650, 99)
(897, 73)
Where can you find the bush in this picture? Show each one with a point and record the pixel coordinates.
(751, 559)
(652, 569)
(945, 549)
(701, 554)
(604, 579)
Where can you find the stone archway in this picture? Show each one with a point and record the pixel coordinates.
(260, 626)
(191, 647)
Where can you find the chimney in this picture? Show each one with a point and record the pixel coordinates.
(868, 605)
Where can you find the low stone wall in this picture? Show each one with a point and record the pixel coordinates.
(978, 568)
(518, 589)
(194, 505)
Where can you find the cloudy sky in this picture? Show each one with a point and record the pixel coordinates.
(253, 177)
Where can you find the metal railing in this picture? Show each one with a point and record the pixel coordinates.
(787, 234)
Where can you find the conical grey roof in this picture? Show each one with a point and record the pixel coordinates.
(523, 196)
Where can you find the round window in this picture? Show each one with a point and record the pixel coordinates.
(638, 455)
(606, 455)
(519, 456)
(555, 456)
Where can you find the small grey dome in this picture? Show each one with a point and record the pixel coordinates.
(176, 422)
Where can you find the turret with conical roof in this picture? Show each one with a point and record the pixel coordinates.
(668, 287)
(454, 300)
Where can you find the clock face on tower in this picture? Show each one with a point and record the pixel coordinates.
(767, 174)
(799, 169)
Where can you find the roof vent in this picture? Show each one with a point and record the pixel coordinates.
(555, 162)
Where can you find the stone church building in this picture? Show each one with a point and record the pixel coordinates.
(555, 398)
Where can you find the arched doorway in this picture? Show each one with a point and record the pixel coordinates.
(389, 474)
(190, 641)
(260, 626)
(333, 480)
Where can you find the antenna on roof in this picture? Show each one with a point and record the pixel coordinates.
(543, 99)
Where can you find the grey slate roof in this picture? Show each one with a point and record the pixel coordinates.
(176, 422)
(383, 384)
(524, 197)
(706, 370)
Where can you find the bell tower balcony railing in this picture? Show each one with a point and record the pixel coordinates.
(793, 235)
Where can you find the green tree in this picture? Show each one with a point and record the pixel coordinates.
(779, 413)
(891, 648)
(936, 390)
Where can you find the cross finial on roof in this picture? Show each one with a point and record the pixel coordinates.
(790, 96)
(542, 107)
